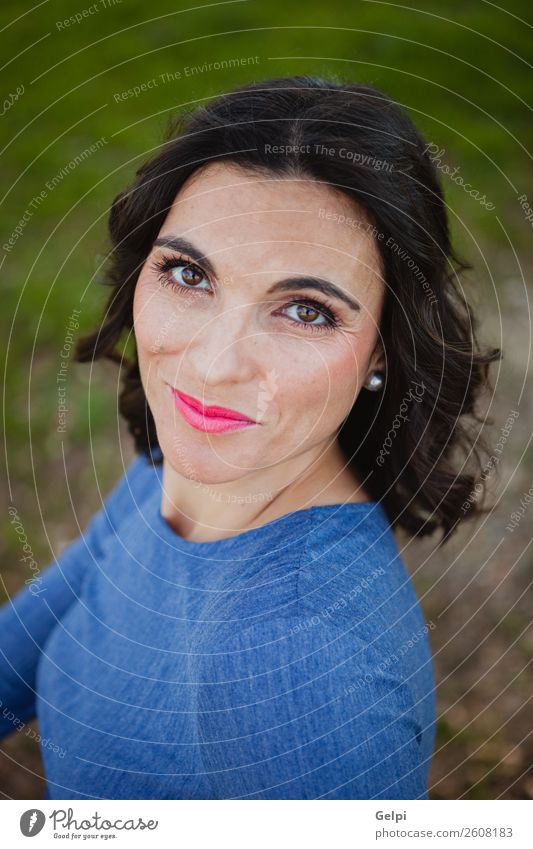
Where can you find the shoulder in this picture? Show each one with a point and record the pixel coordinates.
(348, 532)
(353, 576)
(350, 564)
(298, 647)
(295, 646)
(339, 568)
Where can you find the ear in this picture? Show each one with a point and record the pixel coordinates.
(377, 360)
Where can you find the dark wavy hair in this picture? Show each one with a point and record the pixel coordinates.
(380, 161)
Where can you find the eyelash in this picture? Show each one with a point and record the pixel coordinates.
(164, 266)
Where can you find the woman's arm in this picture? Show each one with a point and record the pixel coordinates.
(28, 618)
(291, 709)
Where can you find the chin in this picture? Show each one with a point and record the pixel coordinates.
(208, 464)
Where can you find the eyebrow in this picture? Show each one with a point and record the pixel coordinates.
(319, 284)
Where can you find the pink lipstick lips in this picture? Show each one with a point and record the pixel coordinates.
(209, 419)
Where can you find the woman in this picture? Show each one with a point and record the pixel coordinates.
(236, 622)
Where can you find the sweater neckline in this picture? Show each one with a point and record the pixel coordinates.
(276, 530)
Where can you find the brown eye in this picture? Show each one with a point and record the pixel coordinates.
(189, 274)
(306, 313)
(181, 274)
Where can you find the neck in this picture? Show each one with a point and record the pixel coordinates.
(200, 512)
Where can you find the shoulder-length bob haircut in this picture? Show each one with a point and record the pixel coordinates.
(353, 137)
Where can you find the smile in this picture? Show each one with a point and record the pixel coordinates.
(209, 419)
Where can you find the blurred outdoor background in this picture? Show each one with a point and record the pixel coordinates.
(463, 71)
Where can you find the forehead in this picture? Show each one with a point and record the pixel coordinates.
(237, 216)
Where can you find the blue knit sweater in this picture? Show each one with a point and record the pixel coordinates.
(290, 661)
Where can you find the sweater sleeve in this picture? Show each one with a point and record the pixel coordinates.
(292, 708)
(27, 619)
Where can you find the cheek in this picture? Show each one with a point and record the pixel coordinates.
(145, 319)
(156, 323)
(318, 389)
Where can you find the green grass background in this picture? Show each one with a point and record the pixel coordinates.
(461, 69)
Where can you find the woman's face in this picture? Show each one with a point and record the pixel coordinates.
(241, 325)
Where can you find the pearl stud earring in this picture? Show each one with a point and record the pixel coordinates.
(376, 382)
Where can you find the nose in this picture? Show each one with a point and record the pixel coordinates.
(224, 351)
